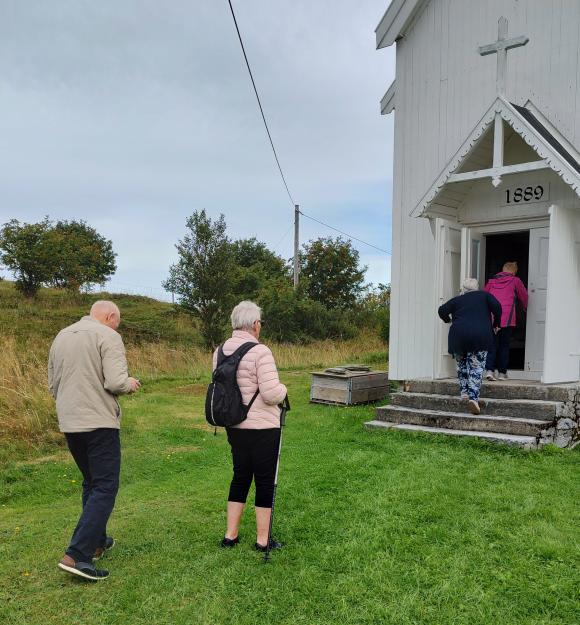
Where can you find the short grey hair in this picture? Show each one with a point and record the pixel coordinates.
(469, 284)
(104, 307)
(245, 314)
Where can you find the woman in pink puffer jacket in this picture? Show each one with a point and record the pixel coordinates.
(507, 288)
(255, 441)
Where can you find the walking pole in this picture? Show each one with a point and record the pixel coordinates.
(284, 408)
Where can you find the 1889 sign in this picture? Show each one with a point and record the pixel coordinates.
(524, 194)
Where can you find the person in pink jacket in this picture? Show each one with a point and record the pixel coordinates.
(507, 288)
(254, 442)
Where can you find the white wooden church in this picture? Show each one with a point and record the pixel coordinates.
(486, 170)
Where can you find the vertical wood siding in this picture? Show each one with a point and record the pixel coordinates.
(443, 89)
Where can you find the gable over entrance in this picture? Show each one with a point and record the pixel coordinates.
(486, 145)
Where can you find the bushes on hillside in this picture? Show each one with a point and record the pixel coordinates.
(214, 273)
(68, 254)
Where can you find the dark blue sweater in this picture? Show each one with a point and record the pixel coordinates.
(471, 321)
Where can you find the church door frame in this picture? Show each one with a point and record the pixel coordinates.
(501, 228)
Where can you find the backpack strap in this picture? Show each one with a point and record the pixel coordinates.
(220, 355)
(239, 354)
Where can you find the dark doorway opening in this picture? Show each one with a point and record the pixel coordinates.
(499, 249)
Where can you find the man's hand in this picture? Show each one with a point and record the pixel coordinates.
(134, 384)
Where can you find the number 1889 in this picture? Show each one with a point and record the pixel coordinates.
(524, 194)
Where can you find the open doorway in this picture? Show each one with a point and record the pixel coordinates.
(499, 249)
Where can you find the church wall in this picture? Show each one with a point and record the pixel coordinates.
(443, 89)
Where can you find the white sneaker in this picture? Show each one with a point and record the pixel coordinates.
(502, 376)
(489, 376)
(474, 407)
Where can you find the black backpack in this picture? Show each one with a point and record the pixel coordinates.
(223, 403)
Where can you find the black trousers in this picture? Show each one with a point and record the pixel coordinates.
(498, 357)
(98, 456)
(254, 455)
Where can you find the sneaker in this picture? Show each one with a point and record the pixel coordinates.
(100, 551)
(502, 376)
(274, 544)
(464, 396)
(489, 376)
(86, 570)
(228, 543)
(473, 407)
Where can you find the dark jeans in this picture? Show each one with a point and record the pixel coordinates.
(254, 453)
(498, 356)
(98, 456)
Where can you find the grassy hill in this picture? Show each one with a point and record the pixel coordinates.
(161, 342)
(144, 319)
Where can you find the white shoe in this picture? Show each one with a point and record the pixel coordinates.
(465, 397)
(489, 376)
(474, 407)
(502, 376)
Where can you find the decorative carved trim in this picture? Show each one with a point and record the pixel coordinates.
(522, 128)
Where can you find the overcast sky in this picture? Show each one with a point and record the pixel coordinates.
(131, 114)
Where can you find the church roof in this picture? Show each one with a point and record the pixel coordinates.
(545, 141)
(396, 20)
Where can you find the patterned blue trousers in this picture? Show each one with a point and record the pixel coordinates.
(470, 368)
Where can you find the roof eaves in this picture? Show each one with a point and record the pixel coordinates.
(396, 20)
(388, 100)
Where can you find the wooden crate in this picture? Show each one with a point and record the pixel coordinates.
(352, 387)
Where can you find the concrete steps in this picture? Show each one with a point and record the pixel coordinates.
(512, 412)
(526, 408)
(526, 442)
(462, 421)
(499, 389)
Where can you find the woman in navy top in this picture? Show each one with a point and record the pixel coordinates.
(474, 316)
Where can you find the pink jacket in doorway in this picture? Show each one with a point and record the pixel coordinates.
(257, 371)
(506, 287)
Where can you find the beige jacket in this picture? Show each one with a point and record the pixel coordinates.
(257, 370)
(87, 369)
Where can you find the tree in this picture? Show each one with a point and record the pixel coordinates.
(81, 256)
(331, 269)
(202, 277)
(256, 266)
(24, 250)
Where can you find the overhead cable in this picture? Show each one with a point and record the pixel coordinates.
(260, 103)
(380, 249)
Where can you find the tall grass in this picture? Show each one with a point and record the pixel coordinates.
(27, 411)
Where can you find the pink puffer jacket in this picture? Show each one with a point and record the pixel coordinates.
(257, 370)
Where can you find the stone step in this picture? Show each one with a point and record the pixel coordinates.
(461, 421)
(523, 408)
(526, 442)
(499, 389)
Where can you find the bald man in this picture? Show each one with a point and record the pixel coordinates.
(87, 371)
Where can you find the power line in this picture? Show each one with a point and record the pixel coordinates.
(345, 233)
(274, 149)
(260, 103)
(284, 235)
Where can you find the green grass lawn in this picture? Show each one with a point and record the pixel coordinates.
(379, 528)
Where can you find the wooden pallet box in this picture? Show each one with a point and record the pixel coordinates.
(348, 388)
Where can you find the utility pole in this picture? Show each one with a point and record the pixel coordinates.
(296, 244)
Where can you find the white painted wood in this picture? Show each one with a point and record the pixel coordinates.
(443, 87)
(448, 242)
(396, 20)
(537, 292)
(498, 142)
(501, 47)
(563, 298)
(498, 171)
(388, 100)
(473, 255)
